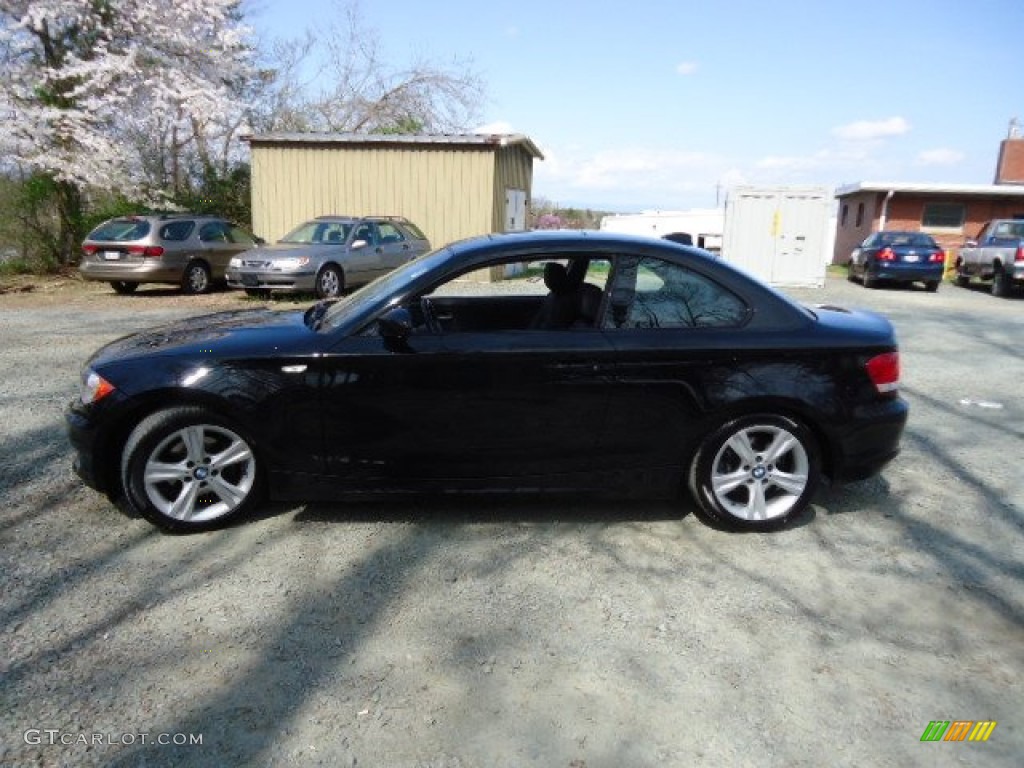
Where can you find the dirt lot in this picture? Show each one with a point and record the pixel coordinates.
(532, 632)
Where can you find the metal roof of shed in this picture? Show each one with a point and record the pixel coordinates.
(401, 140)
(962, 190)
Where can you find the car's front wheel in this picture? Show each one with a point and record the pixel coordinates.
(185, 469)
(123, 288)
(329, 282)
(755, 473)
(196, 278)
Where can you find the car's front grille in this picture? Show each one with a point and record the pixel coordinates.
(255, 264)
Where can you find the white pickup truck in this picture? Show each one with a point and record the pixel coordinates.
(997, 254)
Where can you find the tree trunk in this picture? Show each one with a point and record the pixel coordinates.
(69, 210)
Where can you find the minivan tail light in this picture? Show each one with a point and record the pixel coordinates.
(147, 250)
(884, 371)
(1019, 255)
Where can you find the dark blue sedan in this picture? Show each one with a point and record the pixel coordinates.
(536, 361)
(898, 257)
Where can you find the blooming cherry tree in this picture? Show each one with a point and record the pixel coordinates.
(112, 94)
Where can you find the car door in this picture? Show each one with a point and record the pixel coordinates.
(363, 263)
(394, 248)
(465, 404)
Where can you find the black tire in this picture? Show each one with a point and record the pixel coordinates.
(185, 470)
(755, 473)
(1002, 284)
(123, 288)
(869, 280)
(196, 278)
(849, 271)
(330, 282)
(931, 286)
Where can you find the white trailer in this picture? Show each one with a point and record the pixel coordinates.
(780, 234)
(704, 226)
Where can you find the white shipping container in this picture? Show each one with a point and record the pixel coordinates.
(779, 234)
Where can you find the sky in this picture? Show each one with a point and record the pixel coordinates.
(666, 105)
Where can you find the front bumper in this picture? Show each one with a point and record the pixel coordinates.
(84, 439)
(285, 282)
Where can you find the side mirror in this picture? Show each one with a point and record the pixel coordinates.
(357, 244)
(395, 324)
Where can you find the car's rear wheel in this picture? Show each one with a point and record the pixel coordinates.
(123, 288)
(756, 473)
(931, 286)
(185, 469)
(1002, 285)
(196, 278)
(329, 282)
(869, 280)
(849, 271)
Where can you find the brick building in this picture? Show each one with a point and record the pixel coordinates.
(951, 213)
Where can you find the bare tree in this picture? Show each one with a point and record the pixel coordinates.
(335, 80)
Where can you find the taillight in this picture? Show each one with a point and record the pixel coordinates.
(89, 249)
(146, 250)
(884, 371)
(1019, 255)
(937, 256)
(886, 254)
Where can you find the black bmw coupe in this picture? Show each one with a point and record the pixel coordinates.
(540, 361)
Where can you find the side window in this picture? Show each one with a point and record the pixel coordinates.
(213, 232)
(367, 232)
(177, 230)
(389, 233)
(651, 293)
(239, 235)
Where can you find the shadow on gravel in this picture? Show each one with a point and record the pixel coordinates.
(493, 508)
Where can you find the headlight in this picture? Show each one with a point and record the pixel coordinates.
(94, 387)
(235, 263)
(293, 262)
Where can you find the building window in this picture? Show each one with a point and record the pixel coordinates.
(846, 210)
(943, 216)
(860, 215)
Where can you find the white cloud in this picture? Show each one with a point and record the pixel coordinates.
(870, 130)
(940, 156)
(686, 67)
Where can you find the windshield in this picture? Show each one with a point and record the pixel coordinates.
(319, 232)
(379, 290)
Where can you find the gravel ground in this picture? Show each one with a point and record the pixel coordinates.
(536, 632)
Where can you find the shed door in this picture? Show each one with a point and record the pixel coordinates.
(515, 210)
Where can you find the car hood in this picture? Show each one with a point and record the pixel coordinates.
(225, 334)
